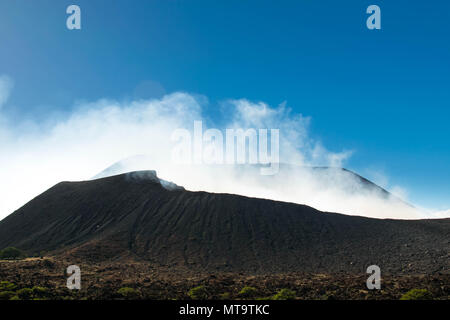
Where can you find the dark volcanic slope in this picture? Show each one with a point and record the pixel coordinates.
(133, 215)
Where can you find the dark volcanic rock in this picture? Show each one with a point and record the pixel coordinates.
(134, 215)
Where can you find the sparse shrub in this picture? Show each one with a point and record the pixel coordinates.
(7, 290)
(6, 295)
(285, 294)
(248, 292)
(11, 253)
(25, 293)
(198, 293)
(327, 296)
(417, 294)
(39, 292)
(7, 286)
(225, 296)
(264, 298)
(128, 293)
(15, 298)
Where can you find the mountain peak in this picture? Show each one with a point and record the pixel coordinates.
(133, 215)
(145, 175)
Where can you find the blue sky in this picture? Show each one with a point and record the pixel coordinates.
(383, 93)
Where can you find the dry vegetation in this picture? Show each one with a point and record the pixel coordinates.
(137, 280)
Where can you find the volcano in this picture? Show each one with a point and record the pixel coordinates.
(138, 216)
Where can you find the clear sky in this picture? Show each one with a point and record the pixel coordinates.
(383, 93)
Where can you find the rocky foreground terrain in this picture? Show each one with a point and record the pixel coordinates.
(138, 280)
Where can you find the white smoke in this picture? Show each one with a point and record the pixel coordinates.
(98, 134)
(441, 214)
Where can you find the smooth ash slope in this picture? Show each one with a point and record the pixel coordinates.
(133, 216)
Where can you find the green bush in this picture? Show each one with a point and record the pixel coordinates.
(7, 286)
(225, 296)
(11, 253)
(25, 293)
(198, 293)
(417, 294)
(39, 292)
(285, 294)
(6, 295)
(128, 293)
(248, 292)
